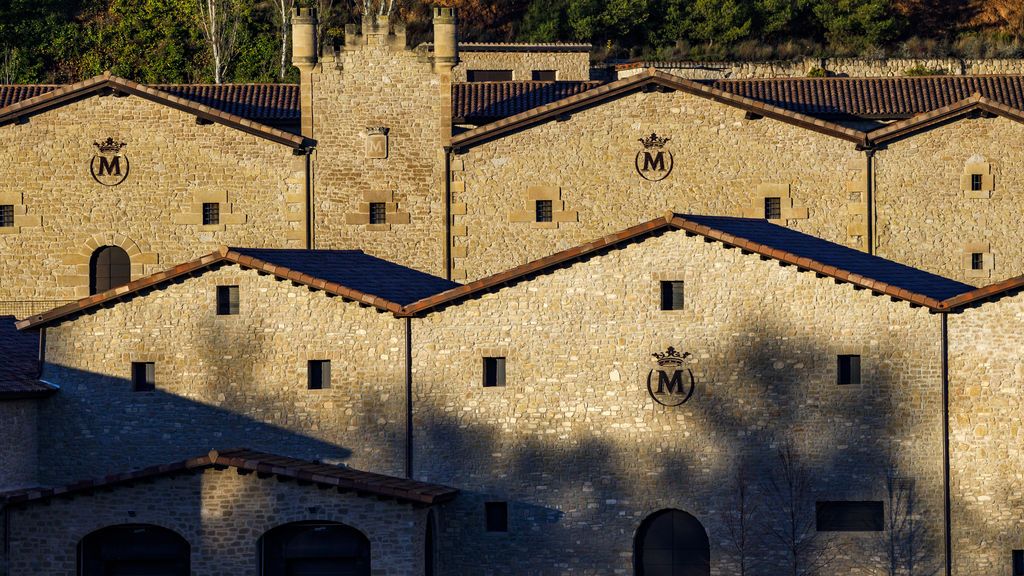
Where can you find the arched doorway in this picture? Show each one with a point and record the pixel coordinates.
(671, 543)
(110, 266)
(314, 549)
(133, 550)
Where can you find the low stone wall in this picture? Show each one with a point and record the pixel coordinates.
(857, 67)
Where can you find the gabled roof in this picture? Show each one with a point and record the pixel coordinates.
(106, 82)
(976, 103)
(756, 236)
(482, 102)
(19, 363)
(649, 79)
(350, 274)
(264, 465)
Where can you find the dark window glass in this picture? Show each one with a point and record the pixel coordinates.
(773, 208)
(378, 213)
(314, 548)
(975, 182)
(544, 211)
(319, 374)
(494, 372)
(6, 216)
(672, 295)
(545, 75)
(133, 549)
(671, 543)
(110, 266)
(143, 376)
(977, 261)
(211, 213)
(1018, 563)
(497, 516)
(850, 516)
(489, 75)
(849, 369)
(227, 300)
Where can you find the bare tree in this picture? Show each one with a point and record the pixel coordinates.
(283, 9)
(904, 545)
(1011, 12)
(9, 60)
(739, 524)
(791, 523)
(218, 20)
(382, 8)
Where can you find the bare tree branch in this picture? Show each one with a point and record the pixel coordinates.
(284, 13)
(218, 20)
(740, 523)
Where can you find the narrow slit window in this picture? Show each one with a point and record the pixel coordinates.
(544, 211)
(545, 75)
(143, 376)
(672, 295)
(489, 75)
(378, 213)
(1018, 563)
(6, 216)
(496, 514)
(227, 300)
(319, 374)
(494, 372)
(977, 261)
(773, 208)
(850, 516)
(849, 369)
(975, 182)
(211, 213)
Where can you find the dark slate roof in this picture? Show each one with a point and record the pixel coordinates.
(356, 270)
(875, 98)
(19, 363)
(266, 466)
(830, 254)
(483, 102)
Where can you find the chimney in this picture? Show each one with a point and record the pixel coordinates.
(446, 47)
(305, 52)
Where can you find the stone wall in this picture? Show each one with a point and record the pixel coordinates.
(570, 65)
(928, 217)
(377, 85)
(221, 514)
(174, 165)
(223, 381)
(855, 67)
(583, 454)
(986, 436)
(18, 444)
(724, 164)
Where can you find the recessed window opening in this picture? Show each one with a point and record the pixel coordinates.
(545, 75)
(494, 372)
(975, 182)
(143, 376)
(977, 261)
(850, 516)
(211, 213)
(544, 211)
(489, 75)
(227, 300)
(849, 369)
(319, 374)
(773, 208)
(672, 295)
(6, 216)
(496, 514)
(378, 213)
(110, 266)
(1018, 563)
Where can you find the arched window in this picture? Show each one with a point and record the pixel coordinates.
(110, 267)
(672, 543)
(313, 549)
(133, 550)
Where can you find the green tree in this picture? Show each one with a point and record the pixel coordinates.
(719, 21)
(854, 25)
(601, 21)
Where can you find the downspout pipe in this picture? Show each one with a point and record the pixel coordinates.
(448, 212)
(408, 398)
(869, 192)
(947, 501)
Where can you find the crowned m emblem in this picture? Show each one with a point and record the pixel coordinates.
(654, 162)
(671, 383)
(109, 166)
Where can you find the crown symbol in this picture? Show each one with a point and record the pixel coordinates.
(654, 141)
(109, 146)
(671, 357)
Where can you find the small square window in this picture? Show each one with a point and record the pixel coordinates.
(849, 369)
(494, 372)
(227, 300)
(850, 516)
(496, 514)
(545, 75)
(977, 261)
(544, 211)
(773, 208)
(319, 374)
(1018, 563)
(6, 216)
(143, 376)
(976, 182)
(672, 295)
(211, 213)
(378, 213)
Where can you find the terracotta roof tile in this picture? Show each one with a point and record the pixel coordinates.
(482, 102)
(19, 363)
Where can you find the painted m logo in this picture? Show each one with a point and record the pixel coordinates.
(109, 166)
(654, 162)
(673, 385)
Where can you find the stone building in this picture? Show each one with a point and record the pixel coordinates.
(458, 333)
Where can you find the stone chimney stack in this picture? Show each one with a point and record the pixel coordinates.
(446, 46)
(305, 53)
